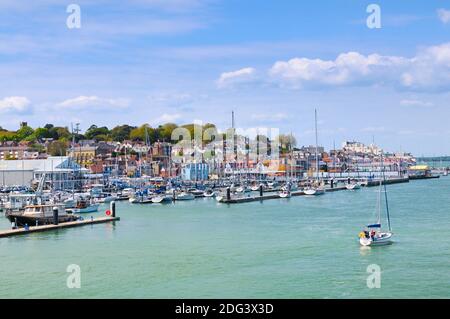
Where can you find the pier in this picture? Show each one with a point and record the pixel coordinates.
(249, 199)
(36, 229)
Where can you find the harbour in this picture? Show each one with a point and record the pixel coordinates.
(206, 249)
(224, 158)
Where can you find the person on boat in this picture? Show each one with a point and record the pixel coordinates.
(372, 234)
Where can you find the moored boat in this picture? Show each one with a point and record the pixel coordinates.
(185, 196)
(209, 193)
(159, 199)
(40, 215)
(83, 207)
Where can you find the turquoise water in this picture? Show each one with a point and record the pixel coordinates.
(292, 248)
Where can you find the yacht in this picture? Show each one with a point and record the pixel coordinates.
(40, 215)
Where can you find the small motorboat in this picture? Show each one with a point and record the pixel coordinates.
(159, 199)
(209, 193)
(285, 194)
(185, 196)
(84, 207)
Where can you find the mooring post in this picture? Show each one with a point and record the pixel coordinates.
(261, 191)
(55, 215)
(332, 183)
(112, 208)
(228, 193)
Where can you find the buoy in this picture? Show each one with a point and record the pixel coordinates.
(108, 213)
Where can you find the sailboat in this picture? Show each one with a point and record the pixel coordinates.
(373, 235)
(314, 190)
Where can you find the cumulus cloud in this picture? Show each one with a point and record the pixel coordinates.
(244, 75)
(93, 102)
(14, 104)
(444, 15)
(414, 102)
(428, 70)
(167, 118)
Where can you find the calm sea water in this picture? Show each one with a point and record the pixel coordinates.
(293, 248)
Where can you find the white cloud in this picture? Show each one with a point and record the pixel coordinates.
(273, 117)
(414, 102)
(14, 104)
(234, 77)
(93, 102)
(167, 118)
(444, 15)
(428, 70)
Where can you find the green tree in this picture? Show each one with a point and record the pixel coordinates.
(56, 132)
(41, 133)
(95, 131)
(165, 131)
(24, 132)
(138, 134)
(57, 148)
(121, 132)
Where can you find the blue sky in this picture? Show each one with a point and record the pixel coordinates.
(272, 62)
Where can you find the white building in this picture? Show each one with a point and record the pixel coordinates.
(59, 170)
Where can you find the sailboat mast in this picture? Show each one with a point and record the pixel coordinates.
(385, 195)
(317, 145)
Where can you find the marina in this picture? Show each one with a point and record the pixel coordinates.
(205, 249)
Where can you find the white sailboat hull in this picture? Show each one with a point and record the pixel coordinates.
(379, 240)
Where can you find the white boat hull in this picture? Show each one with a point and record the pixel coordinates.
(90, 209)
(383, 239)
(161, 199)
(351, 187)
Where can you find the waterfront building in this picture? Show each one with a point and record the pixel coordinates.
(58, 170)
(195, 172)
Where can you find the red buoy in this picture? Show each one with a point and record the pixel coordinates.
(108, 212)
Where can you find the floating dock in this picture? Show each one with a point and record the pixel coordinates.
(42, 228)
(249, 199)
(388, 181)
